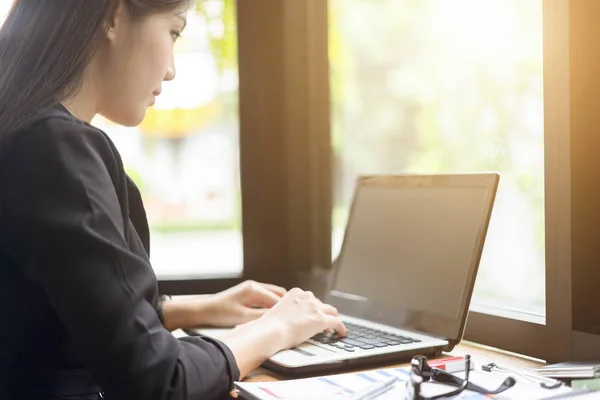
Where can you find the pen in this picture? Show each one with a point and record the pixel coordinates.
(375, 389)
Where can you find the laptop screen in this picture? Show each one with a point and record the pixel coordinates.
(411, 250)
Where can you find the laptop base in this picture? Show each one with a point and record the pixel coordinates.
(352, 364)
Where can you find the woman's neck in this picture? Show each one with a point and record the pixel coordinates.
(83, 105)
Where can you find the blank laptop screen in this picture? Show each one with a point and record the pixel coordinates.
(412, 249)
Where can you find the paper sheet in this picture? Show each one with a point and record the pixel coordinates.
(343, 386)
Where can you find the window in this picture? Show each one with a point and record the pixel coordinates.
(431, 86)
(4, 9)
(184, 156)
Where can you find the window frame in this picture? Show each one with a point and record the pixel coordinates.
(575, 333)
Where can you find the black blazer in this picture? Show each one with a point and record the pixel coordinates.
(78, 297)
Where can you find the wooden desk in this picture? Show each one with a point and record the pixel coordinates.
(480, 354)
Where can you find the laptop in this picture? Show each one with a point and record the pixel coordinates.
(406, 271)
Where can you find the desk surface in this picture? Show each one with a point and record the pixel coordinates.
(480, 354)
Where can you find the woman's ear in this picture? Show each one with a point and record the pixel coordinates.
(109, 30)
(114, 27)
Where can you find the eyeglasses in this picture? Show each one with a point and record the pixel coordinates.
(421, 372)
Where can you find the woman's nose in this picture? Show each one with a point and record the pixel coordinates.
(170, 75)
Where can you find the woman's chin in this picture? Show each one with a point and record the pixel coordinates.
(130, 119)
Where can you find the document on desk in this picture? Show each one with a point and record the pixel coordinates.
(346, 386)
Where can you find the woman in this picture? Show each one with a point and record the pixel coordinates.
(80, 312)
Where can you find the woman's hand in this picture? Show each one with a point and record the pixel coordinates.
(237, 305)
(298, 316)
(242, 303)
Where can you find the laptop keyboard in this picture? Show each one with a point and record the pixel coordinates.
(361, 337)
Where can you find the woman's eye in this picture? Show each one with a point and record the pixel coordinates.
(176, 35)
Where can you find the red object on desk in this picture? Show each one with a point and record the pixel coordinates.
(450, 364)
